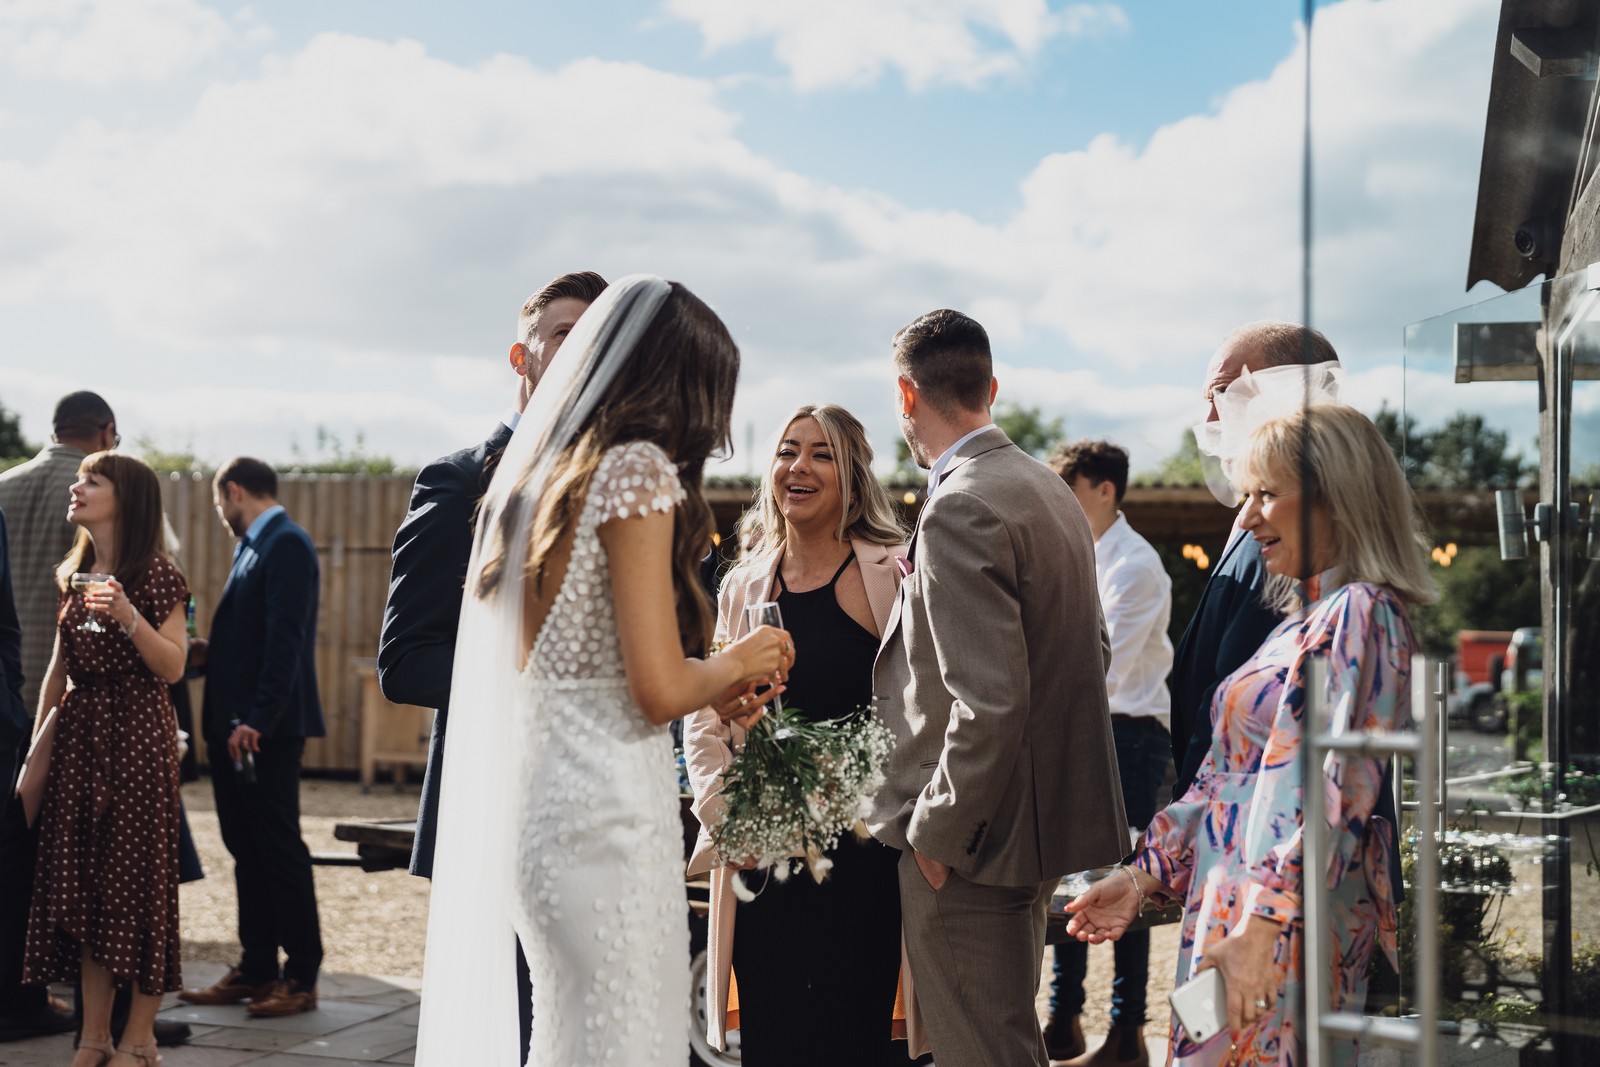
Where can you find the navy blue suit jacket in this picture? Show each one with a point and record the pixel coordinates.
(417, 648)
(1229, 624)
(261, 667)
(16, 722)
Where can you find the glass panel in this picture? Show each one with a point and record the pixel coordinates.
(1519, 915)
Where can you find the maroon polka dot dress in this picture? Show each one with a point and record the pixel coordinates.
(108, 828)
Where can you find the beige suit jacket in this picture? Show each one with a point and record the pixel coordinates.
(34, 498)
(709, 744)
(992, 678)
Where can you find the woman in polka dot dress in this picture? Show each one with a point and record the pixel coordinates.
(105, 898)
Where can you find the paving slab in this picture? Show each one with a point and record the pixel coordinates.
(329, 1016)
(247, 1038)
(360, 1019)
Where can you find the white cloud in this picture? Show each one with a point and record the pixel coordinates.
(360, 214)
(826, 43)
(99, 42)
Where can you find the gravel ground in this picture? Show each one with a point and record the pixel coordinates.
(376, 924)
(373, 924)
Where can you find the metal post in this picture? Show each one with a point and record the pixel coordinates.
(1314, 867)
(1425, 886)
(1424, 744)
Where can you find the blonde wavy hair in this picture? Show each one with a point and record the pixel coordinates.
(867, 514)
(1343, 464)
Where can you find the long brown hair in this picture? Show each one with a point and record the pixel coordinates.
(675, 390)
(138, 531)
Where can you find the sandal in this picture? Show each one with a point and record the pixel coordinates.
(102, 1047)
(147, 1055)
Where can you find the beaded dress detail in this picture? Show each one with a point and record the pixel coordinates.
(599, 859)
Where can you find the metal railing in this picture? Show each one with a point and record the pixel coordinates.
(1425, 745)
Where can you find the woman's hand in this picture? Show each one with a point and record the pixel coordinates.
(1105, 911)
(1245, 959)
(744, 703)
(112, 602)
(764, 654)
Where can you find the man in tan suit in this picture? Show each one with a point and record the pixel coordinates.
(992, 678)
(34, 497)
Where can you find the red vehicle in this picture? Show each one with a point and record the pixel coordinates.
(1480, 657)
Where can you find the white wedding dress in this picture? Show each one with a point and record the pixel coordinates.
(599, 852)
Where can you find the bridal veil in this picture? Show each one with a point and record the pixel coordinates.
(469, 999)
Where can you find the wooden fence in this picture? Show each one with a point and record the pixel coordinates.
(352, 520)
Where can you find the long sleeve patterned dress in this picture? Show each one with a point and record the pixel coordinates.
(1232, 844)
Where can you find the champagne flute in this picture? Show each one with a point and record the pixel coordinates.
(766, 613)
(92, 582)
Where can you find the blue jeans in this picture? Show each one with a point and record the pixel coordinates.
(1144, 750)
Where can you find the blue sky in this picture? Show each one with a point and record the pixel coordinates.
(241, 224)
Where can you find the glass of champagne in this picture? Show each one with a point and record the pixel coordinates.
(91, 583)
(766, 613)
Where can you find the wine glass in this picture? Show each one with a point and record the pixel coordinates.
(93, 582)
(766, 613)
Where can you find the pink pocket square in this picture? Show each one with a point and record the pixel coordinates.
(905, 565)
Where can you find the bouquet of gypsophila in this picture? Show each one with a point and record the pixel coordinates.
(795, 787)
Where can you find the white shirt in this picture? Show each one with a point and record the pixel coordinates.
(936, 472)
(511, 419)
(1136, 598)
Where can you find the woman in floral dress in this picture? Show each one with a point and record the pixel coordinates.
(105, 896)
(1339, 531)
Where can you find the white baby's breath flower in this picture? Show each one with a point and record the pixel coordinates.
(740, 890)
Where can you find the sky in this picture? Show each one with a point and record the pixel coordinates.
(243, 224)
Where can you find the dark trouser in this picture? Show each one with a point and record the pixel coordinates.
(525, 998)
(1144, 749)
(19, 848)
(260, 824)
(817, 964)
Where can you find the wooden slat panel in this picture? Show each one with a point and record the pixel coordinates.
(351, 520)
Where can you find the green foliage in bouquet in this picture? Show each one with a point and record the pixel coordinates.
(796, 786)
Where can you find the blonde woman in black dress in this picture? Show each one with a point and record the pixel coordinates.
(816, 965)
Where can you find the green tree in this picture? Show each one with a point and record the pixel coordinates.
(1408, 445)
(332, 457)
(13, 446)
(1478, 591)
(1466, 453)
(164, 460)
(1028, 429)
(1180, 468)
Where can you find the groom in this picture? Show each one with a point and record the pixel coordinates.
(992, 678)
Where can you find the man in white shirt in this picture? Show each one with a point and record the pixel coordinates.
(1136, 598)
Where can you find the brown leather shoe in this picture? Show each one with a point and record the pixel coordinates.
(1124, 1047)
(284, 999)
(233, 988)
(1063, 1038)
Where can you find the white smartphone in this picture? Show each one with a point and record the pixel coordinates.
(1201, 1005)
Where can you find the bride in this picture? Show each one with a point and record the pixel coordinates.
(582, 630)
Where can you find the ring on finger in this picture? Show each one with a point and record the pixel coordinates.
(743, 701)
(1261, 1003)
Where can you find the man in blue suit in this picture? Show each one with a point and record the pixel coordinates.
(1230, 622)
(261, 704)
(417, 648)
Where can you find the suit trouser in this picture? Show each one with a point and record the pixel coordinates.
(260, 823)
(19, 848)
(976, 952)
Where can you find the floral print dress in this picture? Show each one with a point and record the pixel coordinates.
(1231, 845)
